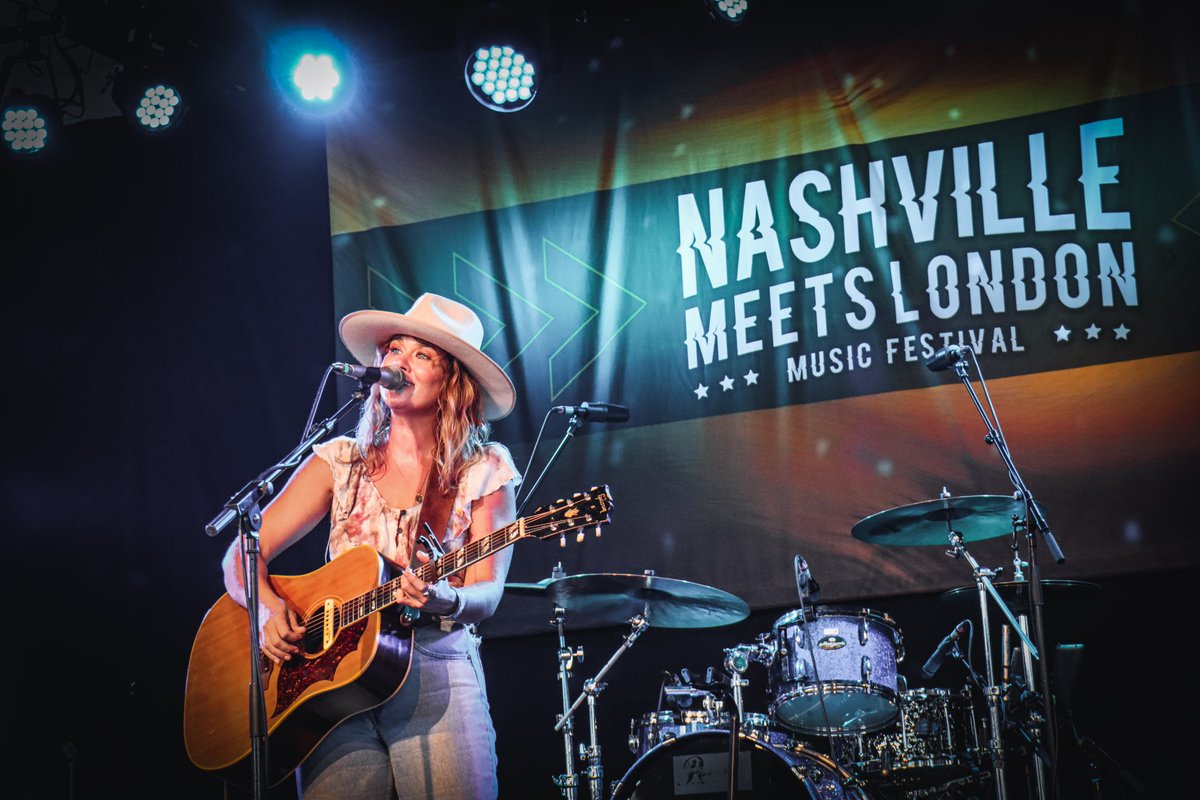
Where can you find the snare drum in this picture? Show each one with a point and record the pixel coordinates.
(936, 741)
(758, 727)
(656, 727)
(698, 764)
(851, 687)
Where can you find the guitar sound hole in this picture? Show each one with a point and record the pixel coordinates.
(313, 641)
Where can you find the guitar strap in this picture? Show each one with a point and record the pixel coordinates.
(435, 510)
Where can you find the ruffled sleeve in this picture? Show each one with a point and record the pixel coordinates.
(491, 471)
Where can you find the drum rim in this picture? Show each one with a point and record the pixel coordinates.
(857, 612)
(801, 750)
(856, 688)
(936, 691)
(678, 719)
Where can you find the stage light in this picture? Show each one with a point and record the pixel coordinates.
(158, 106)
(312, 71)
(501, 78)
(729, 10)
(151, 97)
(316, 76)
(28, 124)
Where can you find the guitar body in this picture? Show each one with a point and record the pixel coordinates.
(358, 668)
(352, 659)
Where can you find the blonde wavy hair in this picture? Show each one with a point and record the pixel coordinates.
(460, 428)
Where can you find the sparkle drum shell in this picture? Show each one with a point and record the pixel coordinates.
(697, 765)
(851, 687)
(936, 740)
(655, 727)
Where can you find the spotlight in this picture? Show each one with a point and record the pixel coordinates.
(158, 106)
(731, 11)
(28, 124)
(150, 98)
(501, 78)
(316, 76)
(313, 71)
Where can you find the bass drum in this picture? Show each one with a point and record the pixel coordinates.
(697, 765)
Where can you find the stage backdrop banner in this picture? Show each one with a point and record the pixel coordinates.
(767, 312)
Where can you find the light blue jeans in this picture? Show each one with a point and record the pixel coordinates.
(433, 739)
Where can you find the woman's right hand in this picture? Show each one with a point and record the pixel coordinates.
(280, 630)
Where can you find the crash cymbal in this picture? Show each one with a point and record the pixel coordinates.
(1016, 593)
(612, 598)
(976, 517)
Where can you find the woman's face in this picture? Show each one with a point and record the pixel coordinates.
(424, 366)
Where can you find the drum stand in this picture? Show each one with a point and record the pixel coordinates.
(983, 580)
(591, 688)
(567, 657)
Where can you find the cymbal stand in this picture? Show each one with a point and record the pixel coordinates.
(591, 688)
(1036, 523)
(1019, 566)
(983, 580)
(567, 782)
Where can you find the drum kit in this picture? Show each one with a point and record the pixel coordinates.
(841, 722)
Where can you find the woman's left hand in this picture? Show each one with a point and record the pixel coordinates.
(432, 598)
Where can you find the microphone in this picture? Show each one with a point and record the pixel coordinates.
(945, 358)
(389, 377)
(805, 585)
(935, 661)
(596, 412)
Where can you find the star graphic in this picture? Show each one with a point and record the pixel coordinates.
(1092, 331)
(701, 391)
(1122, 332)
(727, 384)
(1062, 334)
(751, 377)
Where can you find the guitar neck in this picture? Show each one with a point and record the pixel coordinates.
(580, 511)
(449, 564)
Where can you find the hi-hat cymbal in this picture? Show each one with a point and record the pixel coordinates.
(1017, 593)
(612, 598)
(976, 517)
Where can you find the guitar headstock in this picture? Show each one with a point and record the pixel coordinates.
(575, 513)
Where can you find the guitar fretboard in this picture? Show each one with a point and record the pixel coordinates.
(542, 522)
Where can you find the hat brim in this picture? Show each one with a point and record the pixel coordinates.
(363, 331)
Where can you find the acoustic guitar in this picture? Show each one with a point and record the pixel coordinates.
(352, 657)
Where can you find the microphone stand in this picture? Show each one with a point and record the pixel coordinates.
(1035, 524)
(984, 585)
(568, 783)
(573, 425)
(244, 507)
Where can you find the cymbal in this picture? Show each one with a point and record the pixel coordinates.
(612, 598)
(1016, 593)
(528, 589)
(976, 517)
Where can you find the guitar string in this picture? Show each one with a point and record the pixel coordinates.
(384, 595)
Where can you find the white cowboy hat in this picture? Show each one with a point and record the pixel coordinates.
(439, 321)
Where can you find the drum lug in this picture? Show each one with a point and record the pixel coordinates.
(866, 669)
(863, 632)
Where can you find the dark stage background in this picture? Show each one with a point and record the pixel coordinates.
(168, 318)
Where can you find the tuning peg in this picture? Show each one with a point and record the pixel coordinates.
(597, 531)
(579, 536)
